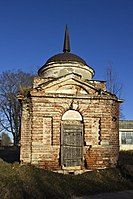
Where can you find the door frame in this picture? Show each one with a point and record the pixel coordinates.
(62, 144)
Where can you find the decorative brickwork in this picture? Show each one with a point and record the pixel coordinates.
(42, 118)
(69, 121)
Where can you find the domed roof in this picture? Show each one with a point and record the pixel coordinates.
(65, 57)
(57, 60)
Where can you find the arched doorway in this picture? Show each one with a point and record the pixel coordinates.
(71, 140)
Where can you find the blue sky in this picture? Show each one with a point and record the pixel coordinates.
(101, 32)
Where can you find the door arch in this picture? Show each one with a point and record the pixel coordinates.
(71, 139)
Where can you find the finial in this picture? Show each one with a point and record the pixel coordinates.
(66, 47)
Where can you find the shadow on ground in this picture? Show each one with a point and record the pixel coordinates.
(10, 154)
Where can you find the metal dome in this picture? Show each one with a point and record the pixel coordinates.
(65, 61)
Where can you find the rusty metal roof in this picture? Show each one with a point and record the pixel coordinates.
(65, 57)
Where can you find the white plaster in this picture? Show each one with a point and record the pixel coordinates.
(104, 142)
(47, 124)
(75, 106)
(58, 70)
(72, 115)
(126, 147)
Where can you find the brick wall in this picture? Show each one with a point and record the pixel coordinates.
(41, 129)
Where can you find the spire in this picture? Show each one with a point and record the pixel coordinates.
(66, 47)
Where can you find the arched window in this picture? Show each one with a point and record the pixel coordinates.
(72, 115)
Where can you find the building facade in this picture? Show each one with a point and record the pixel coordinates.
(69, 121)
(126, 134)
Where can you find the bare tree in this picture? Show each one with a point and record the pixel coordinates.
(5, 139)
(10, 108)
(114, 85)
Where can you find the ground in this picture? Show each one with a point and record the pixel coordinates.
(121, 194)
(20, 182)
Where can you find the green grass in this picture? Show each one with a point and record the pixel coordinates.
(30, 182)
(23, 182)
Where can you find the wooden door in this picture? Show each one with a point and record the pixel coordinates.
(71, 144)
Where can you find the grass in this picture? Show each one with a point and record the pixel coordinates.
(10, 153)
(125, 157)
(23, 182)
